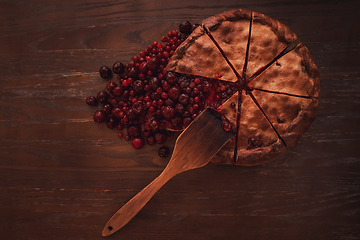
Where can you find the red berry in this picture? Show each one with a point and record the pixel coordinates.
(164, 39)
(137, 142)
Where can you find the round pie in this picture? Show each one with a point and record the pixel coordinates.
(274, 82)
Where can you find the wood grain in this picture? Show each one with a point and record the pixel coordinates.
(62, 176)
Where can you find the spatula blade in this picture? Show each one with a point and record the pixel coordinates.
(202, 139)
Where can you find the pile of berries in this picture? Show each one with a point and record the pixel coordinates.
(147, 102)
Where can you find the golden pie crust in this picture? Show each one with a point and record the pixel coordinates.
(286, 91)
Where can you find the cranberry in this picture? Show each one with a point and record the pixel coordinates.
(170, 77)
(137, 142)
(154, 83)
(133, 72)
(174, 92)
(150, 140)
(133, 131)
(110, 86)
(120, 127)
(177, 122)
(183, 99)
(185, 27)
(115, 112)
(108, 107)
(99, 116)
(131, 114)
(111, 122)
(118, 91)
(153, 64)
(138, 107)
(91, 100)
(160, 137)
(103, 96)
(168, 112)
(143, 67)
(118, 67)
(105, 72)
(163, 151)
(138, 86)
(120, 135)
(179, 108)
(155, 124)
(169, 102)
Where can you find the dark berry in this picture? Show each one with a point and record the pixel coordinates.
(174, 92)
(105, 72)
(155, 124)
(170, 77)
(154, 83)
(115, 112)
(133, 72)
(138, 86)
(183, 99)
(108, 107)
(118, 67)
(163, 151)
(160, 137)
(91, 100)
(138, 107)
(110, 86)
(150, 140)
(185, 27)
(103, 96)
(168, 112)
(133, 131)
(118, 91)
(99, 116)
(111, 122)
(153, 64)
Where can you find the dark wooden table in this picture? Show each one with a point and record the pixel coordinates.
(62, 176)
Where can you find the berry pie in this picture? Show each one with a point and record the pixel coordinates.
(274, 81)
(248, 66)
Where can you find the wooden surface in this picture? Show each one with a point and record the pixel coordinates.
(62, 176)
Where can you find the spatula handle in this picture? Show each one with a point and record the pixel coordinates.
(132, 207)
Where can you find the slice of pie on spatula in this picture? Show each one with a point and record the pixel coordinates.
(274, 79)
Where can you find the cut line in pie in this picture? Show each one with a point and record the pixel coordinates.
(275, 79)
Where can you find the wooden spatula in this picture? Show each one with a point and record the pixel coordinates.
(194, 148)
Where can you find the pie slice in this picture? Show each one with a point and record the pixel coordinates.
(295, 73)
(269, 37)
(230, 32)
(197, 55)
(256, 142)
